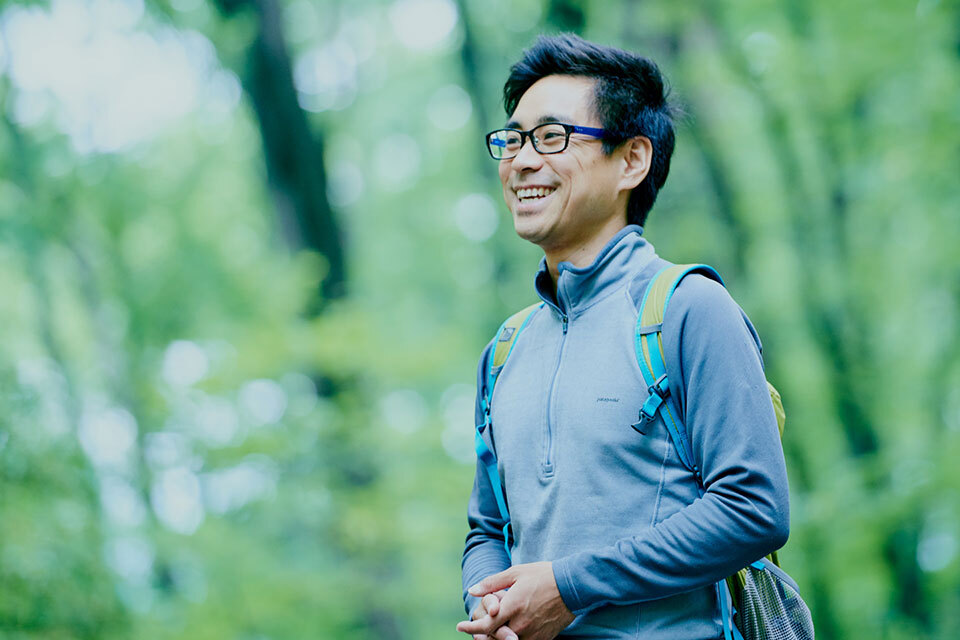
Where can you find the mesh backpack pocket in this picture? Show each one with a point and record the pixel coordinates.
(770, 605)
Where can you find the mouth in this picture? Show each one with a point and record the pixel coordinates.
(533, 194)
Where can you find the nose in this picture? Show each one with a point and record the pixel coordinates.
(527, 157)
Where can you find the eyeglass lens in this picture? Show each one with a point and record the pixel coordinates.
(547, 138)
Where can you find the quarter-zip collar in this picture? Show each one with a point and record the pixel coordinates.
(577, 288)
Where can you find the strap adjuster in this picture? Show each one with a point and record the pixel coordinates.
(658, 391)
(486, 419)
(660, 387)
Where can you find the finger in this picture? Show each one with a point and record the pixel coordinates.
(510, 604)
(484, 625)
(491, 603)
(505, 633)
(489, 624)
(497, 581)
(501, 634)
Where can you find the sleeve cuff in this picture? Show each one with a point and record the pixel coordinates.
(470, 603)
(566, 587)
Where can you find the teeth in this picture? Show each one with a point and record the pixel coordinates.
(536, 192)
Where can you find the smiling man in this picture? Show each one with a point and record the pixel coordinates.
(583, 526)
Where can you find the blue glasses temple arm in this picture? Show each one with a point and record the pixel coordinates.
(591, 131)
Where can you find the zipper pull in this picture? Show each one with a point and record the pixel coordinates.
(563, 318)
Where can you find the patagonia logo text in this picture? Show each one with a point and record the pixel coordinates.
(605, 399)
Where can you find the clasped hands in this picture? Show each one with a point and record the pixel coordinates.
(521, 601)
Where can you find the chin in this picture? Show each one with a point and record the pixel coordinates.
(536, 223)
(529, 230)
(523, 228)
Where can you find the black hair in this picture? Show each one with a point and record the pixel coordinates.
(630, 98)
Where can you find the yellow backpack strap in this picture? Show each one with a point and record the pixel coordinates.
(779, 412)
(507, 336)
(653, 307)
(503, 343)
(505, 339)
(648, 344)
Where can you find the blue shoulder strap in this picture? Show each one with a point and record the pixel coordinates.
(648, 344)
(502, 347)
(649, 348)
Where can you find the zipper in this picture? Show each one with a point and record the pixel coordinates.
(548, 457)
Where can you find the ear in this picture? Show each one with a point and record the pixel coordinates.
(637, 156)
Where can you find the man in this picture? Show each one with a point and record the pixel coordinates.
(610, 537)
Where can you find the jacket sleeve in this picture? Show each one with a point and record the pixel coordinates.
(483, 553)
(713, 360)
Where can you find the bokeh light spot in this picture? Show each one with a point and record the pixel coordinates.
(264, 401)
(449, 108)
(423, 25)
(175, 497)
(403, 410)
(476, 216)
(184, 363)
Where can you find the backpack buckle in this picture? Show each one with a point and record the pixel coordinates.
(648, 412)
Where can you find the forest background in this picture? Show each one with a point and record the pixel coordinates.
(250, 251)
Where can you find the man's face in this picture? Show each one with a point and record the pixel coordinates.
(581, 183)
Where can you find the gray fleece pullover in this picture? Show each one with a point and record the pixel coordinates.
(636, 551)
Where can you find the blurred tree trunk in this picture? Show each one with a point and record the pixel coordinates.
(292, 149)
(471, 57)
(816, 314)
(32, 241)
(835, 325)
(671, 49)
(472, 76)
(830, 324)
(298, 182)
(33, 235)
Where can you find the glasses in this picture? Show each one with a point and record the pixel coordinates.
(550, 137)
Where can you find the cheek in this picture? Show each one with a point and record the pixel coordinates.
(503, 168)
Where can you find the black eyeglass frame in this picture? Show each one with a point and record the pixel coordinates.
(568, 128)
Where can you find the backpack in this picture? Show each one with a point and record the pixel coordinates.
(761, 600)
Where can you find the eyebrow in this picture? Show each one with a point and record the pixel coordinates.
(513, 124)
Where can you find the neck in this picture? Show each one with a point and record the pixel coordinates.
(583, 251)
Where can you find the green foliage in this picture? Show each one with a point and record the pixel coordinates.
(187, 450)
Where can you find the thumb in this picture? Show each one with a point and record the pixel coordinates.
(497, 581)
